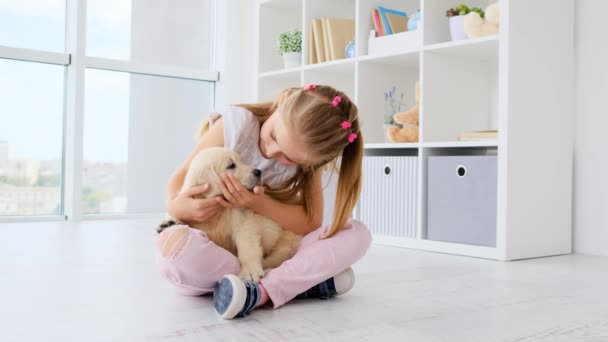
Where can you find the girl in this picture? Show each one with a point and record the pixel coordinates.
(291, 140)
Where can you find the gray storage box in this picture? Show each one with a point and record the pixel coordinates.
(461, 202)
(388, 203)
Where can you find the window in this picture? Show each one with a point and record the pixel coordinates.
(31, 107)
(151, 118)
(137, 130)
(33, 24)
(145, 83)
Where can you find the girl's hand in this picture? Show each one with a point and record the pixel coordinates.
(188, 209)
(237, 196)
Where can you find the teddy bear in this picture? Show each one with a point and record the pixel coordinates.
(475, 26)
(409, 121)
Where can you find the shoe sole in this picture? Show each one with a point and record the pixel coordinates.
(230, 288)
(351, 282)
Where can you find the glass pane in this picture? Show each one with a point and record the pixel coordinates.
(31, 138)
(167, 32)
(137, 130)
(33, 24)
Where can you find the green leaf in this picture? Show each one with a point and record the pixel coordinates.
(290, 41)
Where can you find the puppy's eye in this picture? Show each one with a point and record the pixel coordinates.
(231, 166)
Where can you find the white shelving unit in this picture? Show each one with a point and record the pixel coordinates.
(519, 81)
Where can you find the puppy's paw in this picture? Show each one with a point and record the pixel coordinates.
(251, 272)
(166, 224)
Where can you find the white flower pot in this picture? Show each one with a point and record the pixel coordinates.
(457, 28)
(292, 59)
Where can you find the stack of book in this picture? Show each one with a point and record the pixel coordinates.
(388, 21)
(329, 38)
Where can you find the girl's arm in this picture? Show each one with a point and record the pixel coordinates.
(289, 216)
(292, 216)
(185, 207)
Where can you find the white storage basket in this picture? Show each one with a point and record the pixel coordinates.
(388, 203)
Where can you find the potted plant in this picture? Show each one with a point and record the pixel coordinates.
(290, 47)
(456, 16)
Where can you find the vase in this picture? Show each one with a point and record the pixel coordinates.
(292, 59)
(457, 28)
(386, 139)
(412, 23)
(350, 50)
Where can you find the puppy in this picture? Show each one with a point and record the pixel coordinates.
(258, 242)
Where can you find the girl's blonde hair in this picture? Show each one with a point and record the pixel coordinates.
(313, 117)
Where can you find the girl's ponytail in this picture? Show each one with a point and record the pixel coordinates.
(349, 185)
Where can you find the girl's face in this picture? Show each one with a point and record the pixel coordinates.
(277, 142)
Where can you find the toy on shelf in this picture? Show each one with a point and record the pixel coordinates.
(409, 120)
(475, 26)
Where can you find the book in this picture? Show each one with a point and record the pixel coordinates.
(383, 11)
(339, 33)
(377, 23)
(397, 23)
(317, 32)
(312, 51)
(478, 135)
(325, 40)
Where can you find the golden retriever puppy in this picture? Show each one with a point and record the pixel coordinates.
(258, 242)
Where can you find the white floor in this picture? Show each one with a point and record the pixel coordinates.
(97, 282)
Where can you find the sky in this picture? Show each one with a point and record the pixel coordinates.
(32, 94)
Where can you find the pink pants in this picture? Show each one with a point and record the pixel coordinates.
(200, 264)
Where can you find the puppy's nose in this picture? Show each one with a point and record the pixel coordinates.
(257, 173)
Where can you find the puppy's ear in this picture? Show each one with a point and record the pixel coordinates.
(213, 172)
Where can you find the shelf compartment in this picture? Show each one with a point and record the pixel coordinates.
(383, 172)
(276, 17)
(460, 95)
(365, 24)
(344, 9)
(436, 24)
(461, 193)
(376, 77)
(338, 74)
(430, 183)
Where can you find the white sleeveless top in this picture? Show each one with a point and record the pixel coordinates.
(242, 134)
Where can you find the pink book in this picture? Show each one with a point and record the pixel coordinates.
(377, 23)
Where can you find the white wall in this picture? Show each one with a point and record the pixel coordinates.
(236, 60)
(591, 143)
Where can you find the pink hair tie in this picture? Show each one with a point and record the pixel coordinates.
(345, 125)
(336, 101)
(309, 87)
(352, 137)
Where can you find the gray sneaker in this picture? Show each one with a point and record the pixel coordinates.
(234, 297)
(334, 286)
